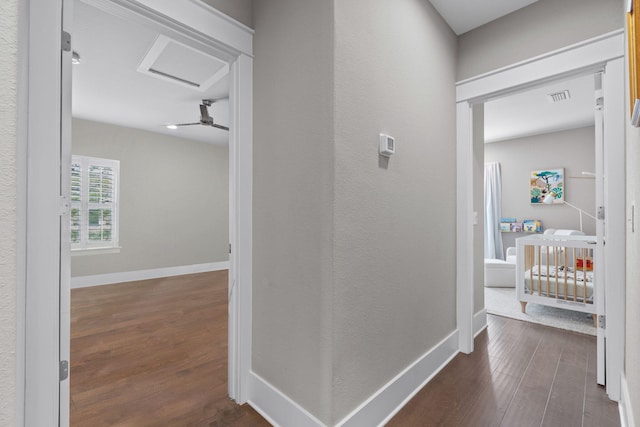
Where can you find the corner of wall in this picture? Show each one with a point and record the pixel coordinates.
(627, 418)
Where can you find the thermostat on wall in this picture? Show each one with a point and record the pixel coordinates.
(387, 145)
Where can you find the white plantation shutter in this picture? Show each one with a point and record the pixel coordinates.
(94, 203)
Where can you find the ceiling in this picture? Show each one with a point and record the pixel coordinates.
(531, 112)
(465, 15)
(107, 86)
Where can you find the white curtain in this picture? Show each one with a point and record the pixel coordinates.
(492, 202)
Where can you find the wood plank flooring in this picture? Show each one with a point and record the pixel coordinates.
(153, 353)
(520, 374)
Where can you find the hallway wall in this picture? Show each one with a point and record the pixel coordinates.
(9, 223)
(240, 10)
(354, 253)
(394, 218)
(293, 199)
(541, 27)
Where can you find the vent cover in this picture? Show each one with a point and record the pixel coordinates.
(558, 96)
(175, 62)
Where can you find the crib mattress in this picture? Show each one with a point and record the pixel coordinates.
(555, 277)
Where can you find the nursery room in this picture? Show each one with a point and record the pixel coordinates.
(540, 162)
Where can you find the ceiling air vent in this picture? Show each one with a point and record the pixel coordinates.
(558, 96)
(178, 63)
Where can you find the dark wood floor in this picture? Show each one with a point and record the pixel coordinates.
(154, 353)
(520, 374)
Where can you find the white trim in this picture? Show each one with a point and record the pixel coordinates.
(65, 223)
(464, 226)
(198, 15)
(377, 410)
(95, 251)
(276, 407)
(624, 406)
(598, 54)
(479, 322)
(155, 273)
(241, 227)
(576, 58)
(42, 302)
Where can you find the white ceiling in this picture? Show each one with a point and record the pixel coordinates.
(108, 88)
(465, 15)
(530, 113)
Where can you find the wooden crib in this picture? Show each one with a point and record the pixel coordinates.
(557, 271)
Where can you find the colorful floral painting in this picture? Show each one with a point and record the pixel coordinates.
(547, 184)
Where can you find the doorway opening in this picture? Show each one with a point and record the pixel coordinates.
(549, 128)
(46, 335)
(602, 54)
(148, 314)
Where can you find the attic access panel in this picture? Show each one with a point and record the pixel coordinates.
(178, 63)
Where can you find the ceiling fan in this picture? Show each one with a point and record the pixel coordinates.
(205, 118)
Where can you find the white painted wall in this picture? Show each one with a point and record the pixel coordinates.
(394, 219)
(240, 10)
(541, 27)
(632, 349)
(354, 273)
(8, 210)
(293, 199)
(573, 150)
(174, 199)
(632, 339)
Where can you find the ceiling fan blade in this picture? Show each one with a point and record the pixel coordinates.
(219, 126)
(188, 124)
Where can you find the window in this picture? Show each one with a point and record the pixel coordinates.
(94, 203)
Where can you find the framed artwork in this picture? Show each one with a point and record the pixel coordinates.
(532, 226)
(547, 186)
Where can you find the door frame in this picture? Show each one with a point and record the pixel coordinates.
(40, 181)
(603, 53)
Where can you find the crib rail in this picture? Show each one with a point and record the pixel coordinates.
(558, 268)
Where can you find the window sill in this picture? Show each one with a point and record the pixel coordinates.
(95, 251)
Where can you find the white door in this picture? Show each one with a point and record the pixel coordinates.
(65, 192)
(599, 271)
(614, 221)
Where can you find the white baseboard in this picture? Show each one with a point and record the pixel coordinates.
(479, 322)
(624, 406)
(386, 402)
(276, 407)
(130, 276)
(280, 410)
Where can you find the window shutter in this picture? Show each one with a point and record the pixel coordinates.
(94, 202)
(76, 199)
